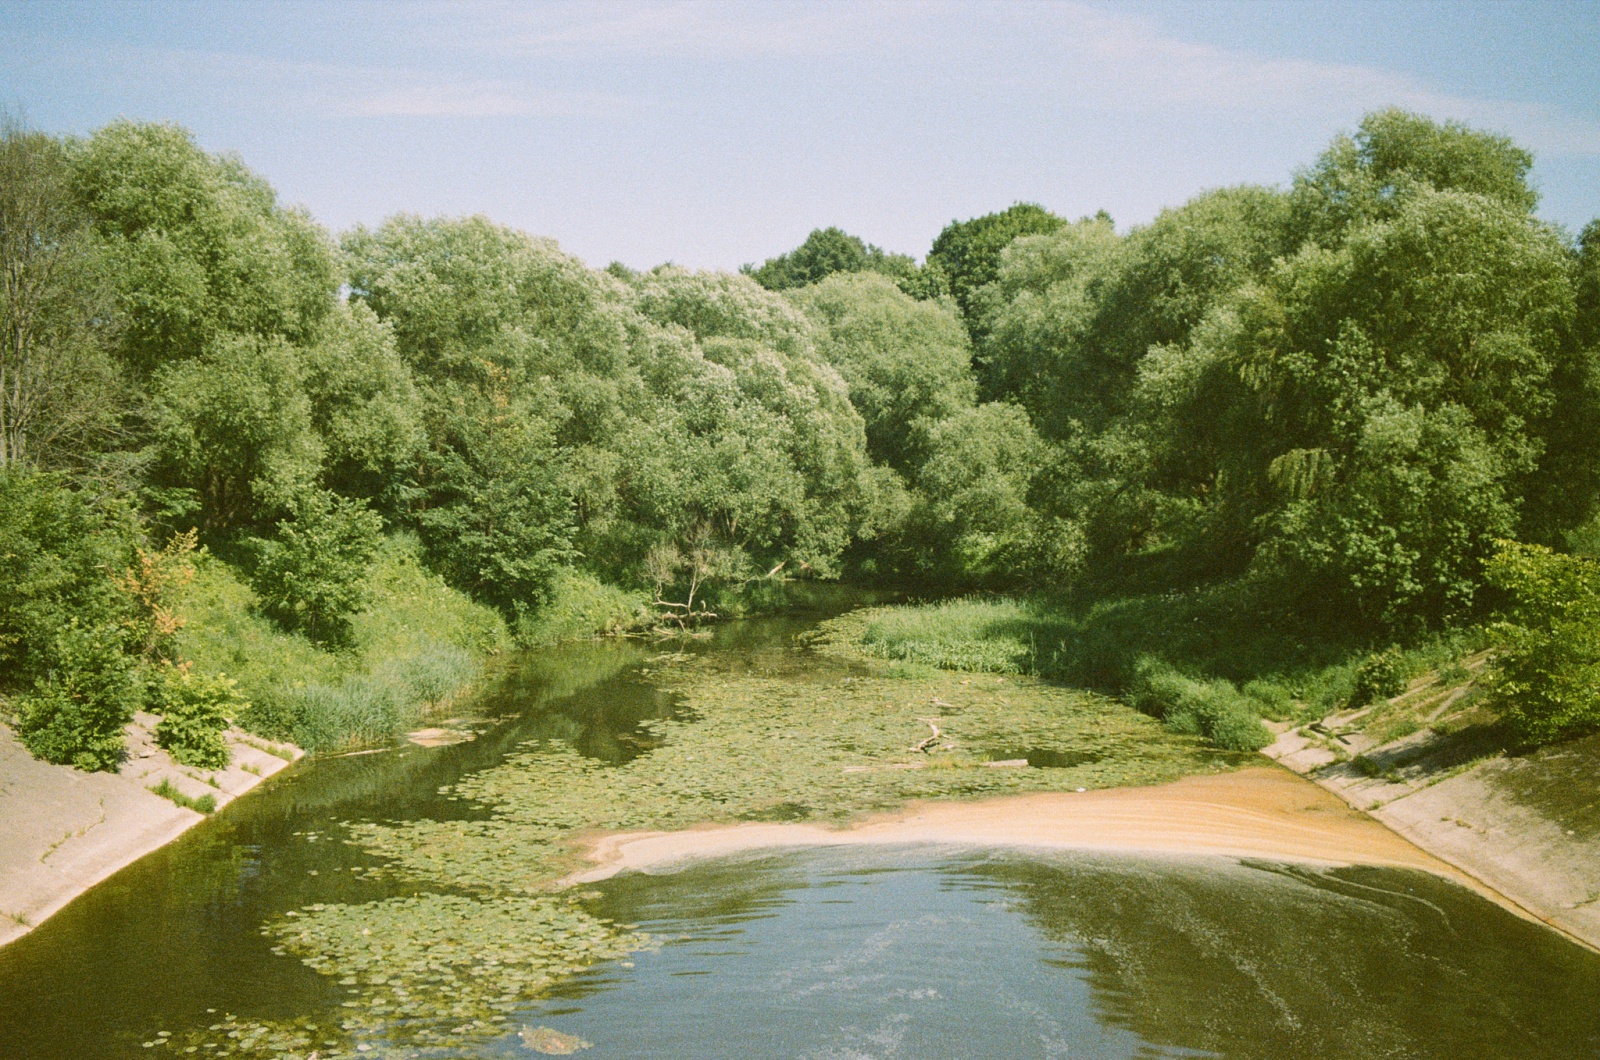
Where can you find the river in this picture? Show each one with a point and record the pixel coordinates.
(897, 951)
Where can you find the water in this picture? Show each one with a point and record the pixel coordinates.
(908, 953)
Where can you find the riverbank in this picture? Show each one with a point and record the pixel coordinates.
(66, 830)
(1526, 826)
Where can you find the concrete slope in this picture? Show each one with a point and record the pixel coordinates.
(62, 830)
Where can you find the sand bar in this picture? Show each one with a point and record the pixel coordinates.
(1257, 812)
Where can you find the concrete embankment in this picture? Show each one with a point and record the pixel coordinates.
(62, 831)
(1527, 826)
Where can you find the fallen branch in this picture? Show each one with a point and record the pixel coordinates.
(924, 746)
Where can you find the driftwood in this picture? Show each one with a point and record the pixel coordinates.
(924, 746)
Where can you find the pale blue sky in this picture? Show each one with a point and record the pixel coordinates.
(713, 135)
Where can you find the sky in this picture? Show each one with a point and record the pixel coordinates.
(714, 134)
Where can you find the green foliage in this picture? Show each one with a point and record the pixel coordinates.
(1380, 676)
(75, 713)
(312, 576)
(995, 635)
(974, 520)
(57, 554)
(1544, 677)
(1272, 698)
(967, 253)
(195, 708)
(829, 251)
(199, 246)
(364, 405)
(580, 605)
(61, 394)
(1214, 709)
(233, 427)
(167, 790)
(1394, 155)
(415, 636)
(907, 363)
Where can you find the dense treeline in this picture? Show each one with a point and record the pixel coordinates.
(1317, 406)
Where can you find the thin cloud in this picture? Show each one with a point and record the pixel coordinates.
(1127, 62)
(684, 29)
(427, 98)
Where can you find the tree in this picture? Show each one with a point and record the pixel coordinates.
(364, 405)
(967, 253)
(907, 363)
(974, 520)
(233, 431)
(312, 576)
(60, 393)
(199, 247)
(828, 251)
(1392, 155)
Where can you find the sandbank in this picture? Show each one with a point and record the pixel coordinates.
(1257, 812)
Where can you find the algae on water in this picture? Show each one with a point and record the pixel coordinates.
(796, 734)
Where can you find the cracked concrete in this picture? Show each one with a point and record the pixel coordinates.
(62, 830)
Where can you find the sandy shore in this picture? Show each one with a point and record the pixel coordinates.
(1258, 812)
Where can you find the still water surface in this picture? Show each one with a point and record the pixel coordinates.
(837, 953)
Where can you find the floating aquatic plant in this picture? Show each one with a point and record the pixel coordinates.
(796, 736)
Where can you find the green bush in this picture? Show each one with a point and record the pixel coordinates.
(314, 574)
(1544, 677)
(76, 713)
(1214, 709)
(580, 605)
(195, 709)
(1274, 700)
(1380, 676)
(58, 555)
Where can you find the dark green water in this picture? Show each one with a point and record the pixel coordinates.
(889, 953)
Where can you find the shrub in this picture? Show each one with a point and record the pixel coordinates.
(56, 550)
(1214, 709)
(580, 605)
(313, 575)
(75, 714)
(1274, 700)
(1380, 676)
(1544, 677)
(195, 708)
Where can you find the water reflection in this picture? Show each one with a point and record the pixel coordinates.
(879, 954)
(823, 954)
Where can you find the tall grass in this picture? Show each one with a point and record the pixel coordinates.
(580, 605)
(1211, 662)
(414, 647)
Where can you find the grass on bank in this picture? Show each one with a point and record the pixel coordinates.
(1200, 666)
(204, 804)
(415, 646)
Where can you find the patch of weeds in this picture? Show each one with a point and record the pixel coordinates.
(204, 804)
(1396, 728)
